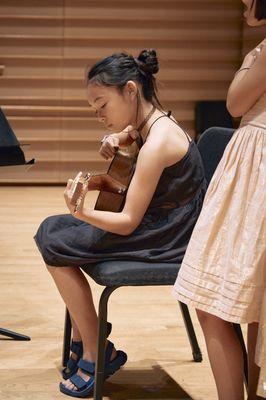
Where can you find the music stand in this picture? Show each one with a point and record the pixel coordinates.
(12, 162)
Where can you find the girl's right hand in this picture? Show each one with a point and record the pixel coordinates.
(110, 145)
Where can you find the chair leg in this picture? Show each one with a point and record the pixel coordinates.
(102, 333)
(239, 333)
(67, 338)
(196, 352)
(13, 335)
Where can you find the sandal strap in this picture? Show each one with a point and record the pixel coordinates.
(71, 364)
(87, 367)
(78, 381)
(109, 328)
(108, 352)
(77, 348)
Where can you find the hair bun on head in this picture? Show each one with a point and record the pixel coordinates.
(148, 58)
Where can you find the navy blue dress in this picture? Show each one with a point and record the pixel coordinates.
(162, 236)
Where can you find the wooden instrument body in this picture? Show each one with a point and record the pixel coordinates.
(114, 184)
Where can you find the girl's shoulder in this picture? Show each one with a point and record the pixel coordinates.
(165, 126)
(168, 137)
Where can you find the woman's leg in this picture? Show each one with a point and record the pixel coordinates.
(225, 355)
(254, 370)
(76, 293)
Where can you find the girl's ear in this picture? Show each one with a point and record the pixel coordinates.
(131, 89)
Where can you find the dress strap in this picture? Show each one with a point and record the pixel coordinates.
(139, 141)
(168, 115)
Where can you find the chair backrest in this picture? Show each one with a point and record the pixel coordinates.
(209, 113)
(211, 145)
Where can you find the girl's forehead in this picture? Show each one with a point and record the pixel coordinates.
(96, 91)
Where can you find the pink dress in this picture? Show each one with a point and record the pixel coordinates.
(224, 268)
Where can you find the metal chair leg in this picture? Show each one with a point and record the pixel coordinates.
(102, 332)
(196, 352)
(13, 335)
(67, 338)
(239, 333)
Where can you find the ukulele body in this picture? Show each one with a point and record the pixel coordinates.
(114, 184)
(121, 170)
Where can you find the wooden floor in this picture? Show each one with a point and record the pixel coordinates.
(146, 321)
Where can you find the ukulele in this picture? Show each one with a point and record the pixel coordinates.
(113, 184)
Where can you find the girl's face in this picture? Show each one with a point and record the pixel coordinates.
(249, 13)
(115, 109)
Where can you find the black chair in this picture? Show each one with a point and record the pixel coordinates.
(114, 274)
(209, 113)
(211, 145)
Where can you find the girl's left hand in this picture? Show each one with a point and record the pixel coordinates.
(68, 193)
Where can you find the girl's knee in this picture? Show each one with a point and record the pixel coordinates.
(50, 268)
(203, 316)
(208, 320)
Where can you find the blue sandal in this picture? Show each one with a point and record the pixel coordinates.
(84, 389)
(72, 364)
(77, 348)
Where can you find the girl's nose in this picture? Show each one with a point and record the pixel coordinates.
(100, 117)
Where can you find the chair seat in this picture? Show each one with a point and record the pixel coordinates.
(132, 273)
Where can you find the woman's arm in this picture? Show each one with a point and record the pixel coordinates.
(248, 85)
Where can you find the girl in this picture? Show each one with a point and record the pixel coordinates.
(223, 273)
(154, 226)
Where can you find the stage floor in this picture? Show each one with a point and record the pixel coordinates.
(147, 323)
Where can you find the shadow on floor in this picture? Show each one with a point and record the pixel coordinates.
(143, 384)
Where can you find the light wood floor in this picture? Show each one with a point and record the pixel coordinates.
(146, 321)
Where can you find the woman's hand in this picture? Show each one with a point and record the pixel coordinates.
(251, 57)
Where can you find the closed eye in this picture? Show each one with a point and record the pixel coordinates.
(101, 108)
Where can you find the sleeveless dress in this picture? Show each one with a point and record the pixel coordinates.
(224, 268)
(162, 236)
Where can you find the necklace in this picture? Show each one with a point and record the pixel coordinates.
(146, 119)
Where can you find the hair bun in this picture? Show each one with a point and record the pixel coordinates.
(148, 58)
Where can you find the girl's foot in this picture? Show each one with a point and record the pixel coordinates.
(69, 385)
(76, 354)
(81, 384)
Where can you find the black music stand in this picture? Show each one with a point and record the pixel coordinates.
(12, 162)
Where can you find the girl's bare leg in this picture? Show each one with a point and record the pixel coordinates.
(254, 370)
(225, 355)
(76, 293)
(76, 336)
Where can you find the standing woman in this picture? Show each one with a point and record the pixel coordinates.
(162, 204)
(223, 274)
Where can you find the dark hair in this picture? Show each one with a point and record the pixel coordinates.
(118, 69)
(260, 10)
